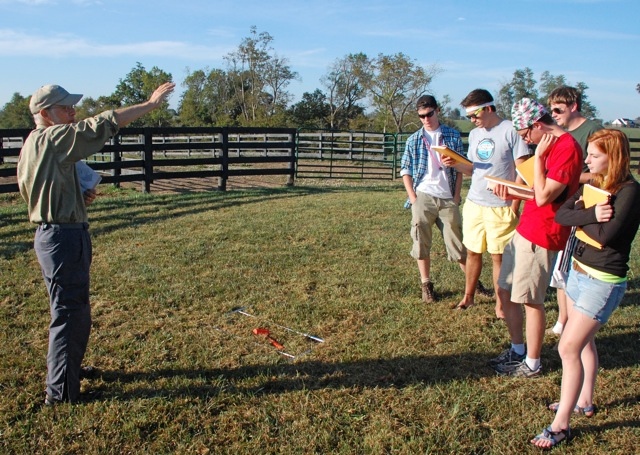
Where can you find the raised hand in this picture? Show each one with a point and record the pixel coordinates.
(162, 93)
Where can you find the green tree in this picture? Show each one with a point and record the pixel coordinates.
(258, 80)
(521, 85)
(277, 76)
(16, 113)
(448, 115)
(524, 84)
(90, 107)
(312, 111)
(137, 87)
(548, 83)
(587, 108)
(208, 99)
(395, 82)
(345, 87)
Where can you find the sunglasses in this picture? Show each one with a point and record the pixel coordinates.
(557, 110)
(427, 115)
(475, 114)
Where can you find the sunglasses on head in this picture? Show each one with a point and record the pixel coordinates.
(475, 114)
(428, 114)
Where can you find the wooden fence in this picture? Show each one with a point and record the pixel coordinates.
(150, 154)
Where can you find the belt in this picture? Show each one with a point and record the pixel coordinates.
(46, 226)
(579, 269)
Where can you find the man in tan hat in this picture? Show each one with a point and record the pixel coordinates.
(49, 184)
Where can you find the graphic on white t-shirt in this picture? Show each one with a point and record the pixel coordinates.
(485, 150)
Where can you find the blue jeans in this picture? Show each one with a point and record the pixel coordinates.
(593, 297)
(64, 253)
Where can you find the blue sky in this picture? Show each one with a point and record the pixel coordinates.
(87, 46)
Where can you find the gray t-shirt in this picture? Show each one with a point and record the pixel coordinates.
(493, 152)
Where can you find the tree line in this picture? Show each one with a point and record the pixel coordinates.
(357, 92)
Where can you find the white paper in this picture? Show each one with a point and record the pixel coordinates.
(88, 178)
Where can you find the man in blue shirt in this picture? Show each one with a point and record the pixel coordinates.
(433, 190)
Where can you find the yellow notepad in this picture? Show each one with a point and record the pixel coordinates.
(525, 171)
(591, 196)
(515, 189)
(444, 150)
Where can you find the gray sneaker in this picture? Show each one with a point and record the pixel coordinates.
(522, 370)
(506, 357)
(428, 294)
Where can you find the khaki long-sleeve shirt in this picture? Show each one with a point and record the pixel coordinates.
(47, 175)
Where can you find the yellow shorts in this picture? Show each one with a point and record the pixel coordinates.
(487, 228)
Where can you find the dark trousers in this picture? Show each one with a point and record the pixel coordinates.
(64, 253)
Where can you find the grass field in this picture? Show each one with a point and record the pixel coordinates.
(180, 373)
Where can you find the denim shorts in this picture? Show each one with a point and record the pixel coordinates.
(594, 298)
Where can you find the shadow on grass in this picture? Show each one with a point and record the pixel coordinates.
(301, 375)
(110, 214)
(603, 428)
(395, 373)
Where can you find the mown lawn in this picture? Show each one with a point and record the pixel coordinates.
(180, 373)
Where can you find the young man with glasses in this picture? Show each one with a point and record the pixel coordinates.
(49, 184)
(433, 190)
(565, 103)
(488, 222)
(527, 261)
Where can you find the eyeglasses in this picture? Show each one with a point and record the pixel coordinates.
(557, 110)
(527, 133)
(65, 108)
(427, 115)
(475, 114)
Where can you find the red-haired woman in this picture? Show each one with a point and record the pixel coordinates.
(598, 278)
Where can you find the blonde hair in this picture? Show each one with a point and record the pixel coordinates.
(614, 144)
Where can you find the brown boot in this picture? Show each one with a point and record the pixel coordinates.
(428, 294)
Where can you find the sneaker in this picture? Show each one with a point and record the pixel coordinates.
(428, 294)
(480, 289)
(51, 402)
(506, 357)
(521, 371)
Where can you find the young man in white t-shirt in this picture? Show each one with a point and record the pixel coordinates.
(433, 190)
(488, 222)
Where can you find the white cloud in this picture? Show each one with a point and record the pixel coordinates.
(13, 43)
